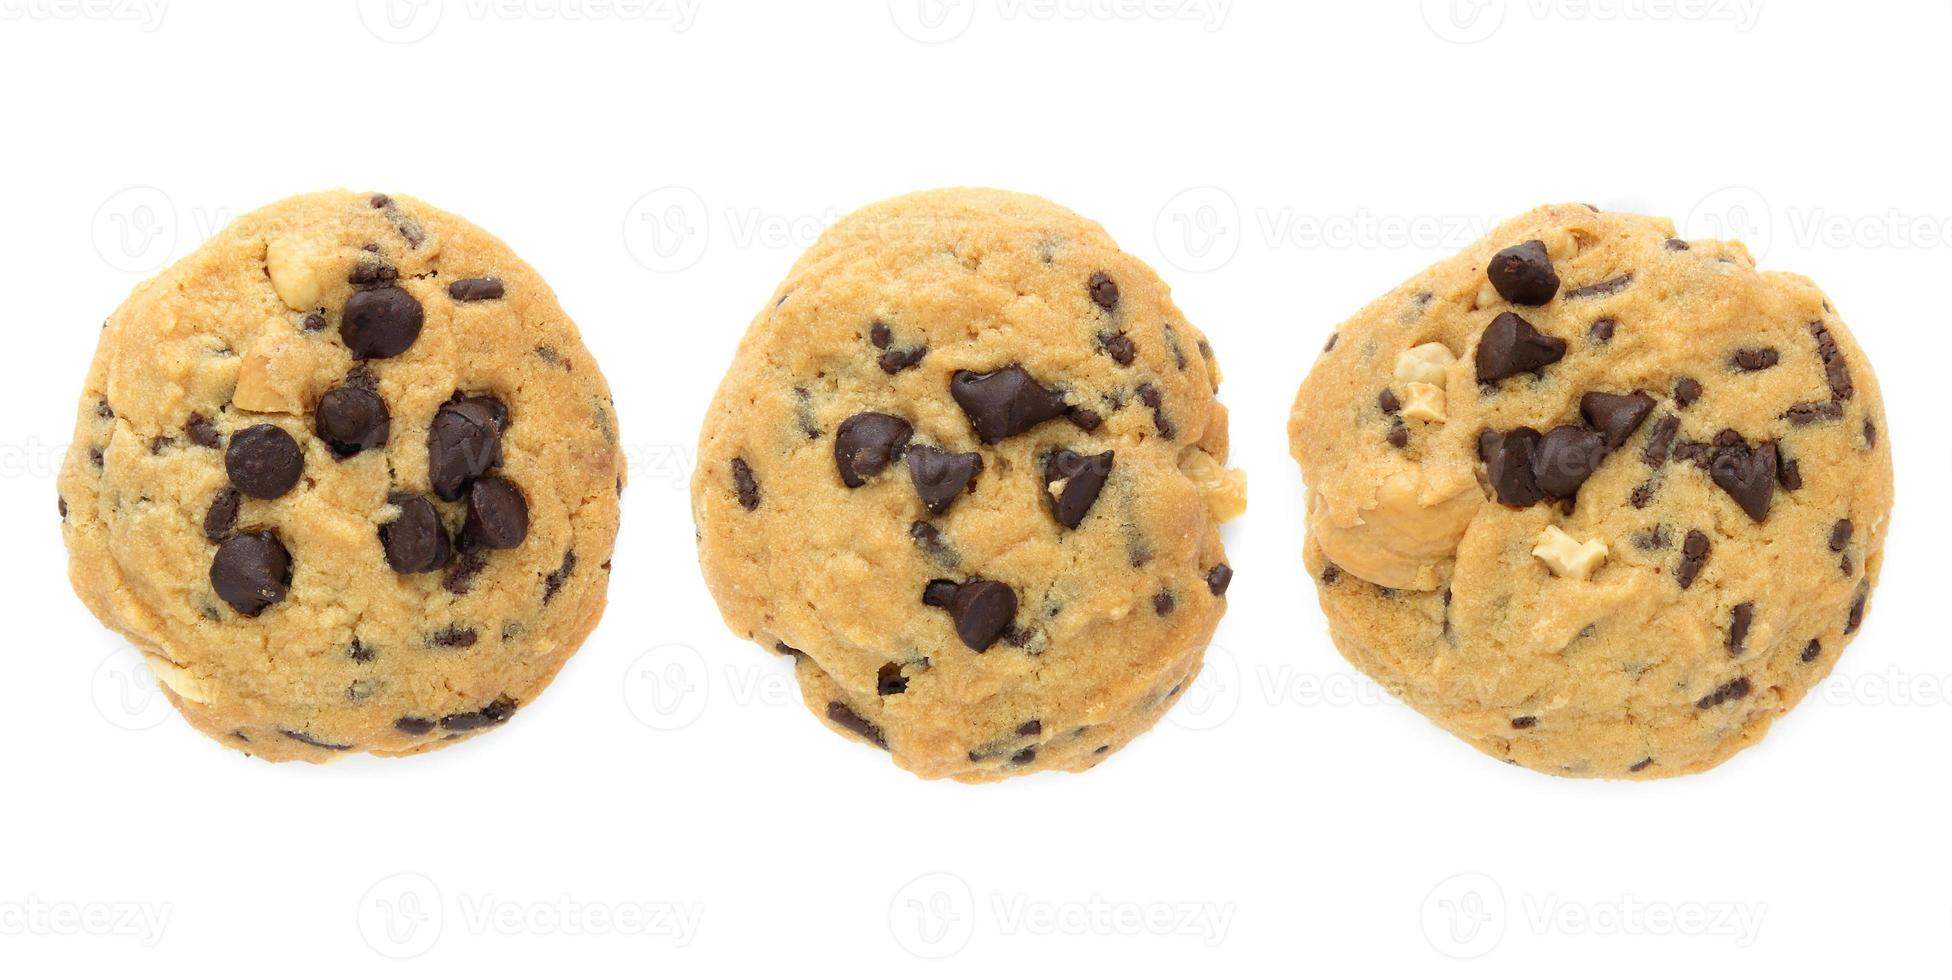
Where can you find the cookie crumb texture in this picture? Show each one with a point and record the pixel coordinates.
(1648, 519)
(347, 478)
(968, 470)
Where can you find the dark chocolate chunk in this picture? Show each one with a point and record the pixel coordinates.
(940, 477)
(1754, 359)
(1616, 416)
(264, 461)
(1103, 290)
(939, 592)
(464, 442)
(846, 717)
(1694, 554)
(744, 486)
(416, 541)
(1734, 690)
(982, 610)
(352, 419)
(1511, 346)
(1739, 620)
(1004, 402)
(1508, 464)
(498, 515)
(1686, 391)
(1083, 478)
(1603, 288)
(866, 443)
(251, 572)
(1218, 578)
(1523, 274)
(474, 290)
(1564, 458)
(381, 322)
(222, 515)
(1746, 474)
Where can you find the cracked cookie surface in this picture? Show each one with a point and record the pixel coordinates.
(1637, 513)
(967, 469)
(347, 478)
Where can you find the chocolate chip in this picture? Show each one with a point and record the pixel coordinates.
(1150, 396)
(880, 336)
(372, 271)
(1694, 554)
(1739, 620)
(1508, 464)
(298, 736)
(1004, 402)
(313, 322)
(1605, 288)
(202, 432)
(1030, 729)
(1616, 416)
(1388, 402)
(455, 637)
(222, 515)
(1686, 391)
(251, 572)
(264, 461)
(1660, 440)
(464, 442)
(474, 290)
(940, 477)
(498, 515)
(744, 486)
(897, 361)
(1870, 434)
(1511, 346)
(103, 410)
(889, 680)
(1754, 359)
(414, 726)
(1218, 578)
(1856, 615)
(1734, 690)
(1523, 722)
(1330, 344)
(1523, 274)
(845, 717)
(351, 420)
(1564, 458)
(416, 541)
(981, 610)
(1642, 495)
(1103, 290)
(381, 322)
(1084, 418)
(1398, 435)
(1024, 756)
(939, 592)
(1331, 574)
(1642, 764)
(1746, 474)
(1083, 478)
(1676, 245)
(1118, 346)
(498, 711)
(1602, 329)
(553, 582)
(360, 652)
(1172, 344)
(1810, 413)
(1812, 650)
(1835, 371)
(1653, 539)
(866, 443)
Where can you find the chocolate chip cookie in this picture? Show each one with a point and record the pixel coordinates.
(967, 469)
(347, 478)
(1598, 500)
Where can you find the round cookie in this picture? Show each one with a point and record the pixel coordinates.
(348, 479)
(967, 468)
(1599, 501)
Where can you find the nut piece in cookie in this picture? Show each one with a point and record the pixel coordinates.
(968, 471)
(1596, 500)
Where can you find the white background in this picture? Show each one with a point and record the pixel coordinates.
(1280, 164)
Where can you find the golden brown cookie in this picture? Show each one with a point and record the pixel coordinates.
(967, 468)
(1600, 501)
(347, 478)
